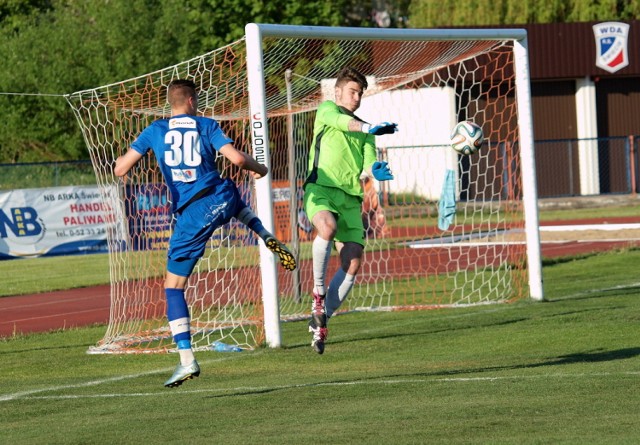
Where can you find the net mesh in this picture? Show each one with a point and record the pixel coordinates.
(409, 263)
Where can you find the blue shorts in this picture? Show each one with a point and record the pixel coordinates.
(196, 223)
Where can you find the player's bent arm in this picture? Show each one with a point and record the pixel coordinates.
(330, 114)
(126, 162)
(356, 125)
(243, 160)
(343, 122)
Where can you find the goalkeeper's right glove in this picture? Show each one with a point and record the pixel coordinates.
(380, 129)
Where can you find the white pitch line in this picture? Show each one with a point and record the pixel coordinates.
(31, 393)
(261, 389)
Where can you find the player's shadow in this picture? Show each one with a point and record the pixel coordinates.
(590, 357)
(580, 357)
(345, 326)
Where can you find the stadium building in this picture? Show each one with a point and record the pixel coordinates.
(585, 86)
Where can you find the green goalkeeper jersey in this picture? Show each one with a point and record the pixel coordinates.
(339, 156)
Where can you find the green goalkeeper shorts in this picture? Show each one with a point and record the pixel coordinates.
(346, 208)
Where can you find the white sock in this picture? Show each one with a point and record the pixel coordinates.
(321, 250)
(251, 220)
(186, 356)
(180, 326)
(339, 288)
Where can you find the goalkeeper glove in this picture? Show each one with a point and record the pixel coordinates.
(380, 129)
(381, 171)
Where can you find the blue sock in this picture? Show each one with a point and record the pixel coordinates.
(184, 344)
(256, 225)
(178, 315)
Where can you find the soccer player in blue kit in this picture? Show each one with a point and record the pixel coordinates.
(185, 146)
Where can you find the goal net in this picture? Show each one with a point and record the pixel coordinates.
(449, 230)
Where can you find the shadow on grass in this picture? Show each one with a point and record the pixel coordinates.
(472, 324)
(599, 293)
(592, 357)
(412, 333)
(583, 357)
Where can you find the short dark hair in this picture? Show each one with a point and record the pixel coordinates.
(180, 90)
(350, 74)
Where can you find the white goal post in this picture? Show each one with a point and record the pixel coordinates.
(264, 90)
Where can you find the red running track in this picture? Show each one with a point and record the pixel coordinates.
(86, 306)
(54, 310)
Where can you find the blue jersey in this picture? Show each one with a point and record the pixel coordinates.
(185, 147)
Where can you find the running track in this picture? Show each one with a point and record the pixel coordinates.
(87, 306)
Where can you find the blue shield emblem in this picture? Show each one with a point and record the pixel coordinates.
(611, 45)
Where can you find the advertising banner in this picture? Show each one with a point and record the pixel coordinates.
(148, 213)
(53, 221)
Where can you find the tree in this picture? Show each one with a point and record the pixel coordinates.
(442, 13)
(62, 46)
(16, 14)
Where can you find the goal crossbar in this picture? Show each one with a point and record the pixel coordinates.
(329, 32)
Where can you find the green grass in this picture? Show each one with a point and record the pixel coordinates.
(592, 212)
(34, 275)
(565, 371)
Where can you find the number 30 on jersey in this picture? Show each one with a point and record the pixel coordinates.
(183, 148)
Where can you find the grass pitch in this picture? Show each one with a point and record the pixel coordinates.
(562, 371)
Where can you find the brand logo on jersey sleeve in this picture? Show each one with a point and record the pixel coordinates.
(182, 122)
(611, 45)
(183, 175)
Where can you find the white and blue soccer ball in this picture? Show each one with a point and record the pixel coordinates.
(467, 137)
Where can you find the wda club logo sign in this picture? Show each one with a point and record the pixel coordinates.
(611, 45)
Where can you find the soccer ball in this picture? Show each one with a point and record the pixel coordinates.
(466, 137)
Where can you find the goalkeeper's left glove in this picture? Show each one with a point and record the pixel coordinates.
(380, 129)
(381, 171)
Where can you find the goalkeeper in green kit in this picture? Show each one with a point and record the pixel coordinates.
(343, 147)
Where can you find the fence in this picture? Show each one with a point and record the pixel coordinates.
(46, 174)
(581, 167)
(563, 169)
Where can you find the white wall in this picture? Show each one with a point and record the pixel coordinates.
(419, 153)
